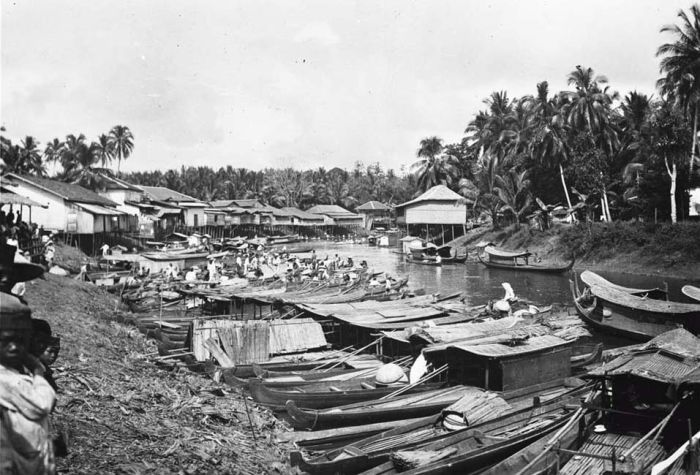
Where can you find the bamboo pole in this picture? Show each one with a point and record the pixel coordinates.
(353, 354)
(402, 390)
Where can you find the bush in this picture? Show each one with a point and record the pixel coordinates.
(602, 240)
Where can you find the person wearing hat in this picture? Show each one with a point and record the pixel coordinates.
(15, 269)
(26, 398)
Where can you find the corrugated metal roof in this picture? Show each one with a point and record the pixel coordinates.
(494, 350)
(656, 366)
(67, 191)
(101, 210)
(160, 193)
(436, 193)
(302, 214)
(15, 199)
(114, 183)
(373, 206)
(679, 341)
(331, 210)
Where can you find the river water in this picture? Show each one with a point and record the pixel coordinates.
(479, 282)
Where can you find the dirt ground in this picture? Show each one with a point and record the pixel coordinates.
(124, 414)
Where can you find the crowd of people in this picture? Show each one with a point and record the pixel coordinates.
(28, 349)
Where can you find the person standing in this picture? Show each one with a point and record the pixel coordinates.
(26, 398)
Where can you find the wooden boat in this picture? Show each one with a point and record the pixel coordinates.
(591, 278)
(323, 440)
(518, 260)
(302, 362)
(314, 381)
(473, 447)
(402, 407)
(617, 312)
(692, 292)
(324, 397)
(425, 262)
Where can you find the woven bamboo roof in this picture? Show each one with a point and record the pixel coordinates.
(436, 193)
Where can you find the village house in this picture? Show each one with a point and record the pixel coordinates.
(192, 208)
(236, 212)
(375, 214)
(302, 218)
(130, 199)
(69, 208)
(432, 212)
(336, 215)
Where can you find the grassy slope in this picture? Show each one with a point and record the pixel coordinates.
(662, 250)
(124, 415)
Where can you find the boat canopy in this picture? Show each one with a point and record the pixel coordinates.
(591, 278)
(504, 254)
(625, 299)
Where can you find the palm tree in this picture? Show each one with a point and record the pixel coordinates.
(122, 142)
(481, 191)
(53, 150)
(104, 151)
(589, 107)
(433, 169)
(512, 189)
(30, 157)
(681, 66)
(548, 143)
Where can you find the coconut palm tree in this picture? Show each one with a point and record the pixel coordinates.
(122, 141)
(680, 66)
(53, 150)
(104, 150)
(589, 107)
(30, 157)
(548, 143)
(432, 168)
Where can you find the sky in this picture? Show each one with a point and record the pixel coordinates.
(305, 84)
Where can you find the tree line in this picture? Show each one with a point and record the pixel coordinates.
(587, 148)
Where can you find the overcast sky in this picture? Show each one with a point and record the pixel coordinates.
(302, 83)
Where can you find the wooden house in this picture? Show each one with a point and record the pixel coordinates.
(302, 218)
(336, 215)
(375, 214)
(192, 208)
(68, 208)
(438, 205)
(538, 361)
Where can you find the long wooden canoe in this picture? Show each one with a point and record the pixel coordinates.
(313, 398)
(692, 292)
(627, 315)
(477, 445)
(403, 407)
(552, 269)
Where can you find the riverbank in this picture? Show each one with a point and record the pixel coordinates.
(123, 414)
(635, 248)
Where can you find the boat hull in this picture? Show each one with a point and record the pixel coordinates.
(527, 267)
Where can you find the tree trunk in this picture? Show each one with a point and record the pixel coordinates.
(695, 139)
(607, 206)
(563, 184)
(602, 210)
(672, 173)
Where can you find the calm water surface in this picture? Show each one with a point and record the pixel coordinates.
(479, 282)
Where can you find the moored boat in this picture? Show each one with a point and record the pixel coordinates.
(346, 393)
(618, 312)
(518, 260)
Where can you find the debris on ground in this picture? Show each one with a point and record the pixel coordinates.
(122, 414)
